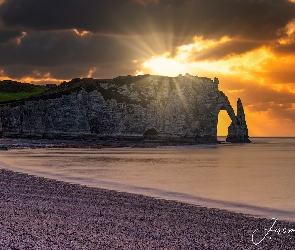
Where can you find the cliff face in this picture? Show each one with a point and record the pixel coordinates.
(183, 108)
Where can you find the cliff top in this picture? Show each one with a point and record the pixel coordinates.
(12, 91)
(52, 91)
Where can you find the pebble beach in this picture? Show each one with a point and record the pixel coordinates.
(40, 213)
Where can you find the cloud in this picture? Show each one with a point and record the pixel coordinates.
(111, 33)
(264, 105)
(257, 95)
(9, 35)
(279, 112)
(286, 49)
(283, 112)
(262, 19)
(223, 50)
(76, 52)
(51, 51)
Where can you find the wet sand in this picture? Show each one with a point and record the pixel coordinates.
(39, 213)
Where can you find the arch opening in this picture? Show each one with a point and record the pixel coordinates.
(223, 123)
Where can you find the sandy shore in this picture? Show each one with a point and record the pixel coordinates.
(38, 213)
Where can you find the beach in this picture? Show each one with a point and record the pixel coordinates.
(40, 213)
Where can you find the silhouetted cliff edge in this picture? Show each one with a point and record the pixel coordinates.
(183, 108)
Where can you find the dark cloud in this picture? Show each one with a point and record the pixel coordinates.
(62, 72)
(262, 98)
(275, 111)
(213, 18)
(54, 50)
(9, 35)
(66, 55)
(58, 48)
(225, 49)
(125, 30)
(260, 95)
(286, 48)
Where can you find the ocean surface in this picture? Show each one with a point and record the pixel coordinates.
(256, 178)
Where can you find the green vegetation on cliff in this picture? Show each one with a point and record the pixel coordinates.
(7, 97)
(13, 91)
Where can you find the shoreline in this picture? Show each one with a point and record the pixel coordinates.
(19, 143)
(249, 210)
(39, 212)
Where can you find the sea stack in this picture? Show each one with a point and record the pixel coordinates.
(238, 130)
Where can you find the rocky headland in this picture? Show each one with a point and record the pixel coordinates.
(182, 109)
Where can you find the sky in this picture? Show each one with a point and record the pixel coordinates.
(248, 44)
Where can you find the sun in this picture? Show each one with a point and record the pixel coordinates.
(181, 62)
(164, 66)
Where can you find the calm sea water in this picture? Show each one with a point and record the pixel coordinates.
(256, 178)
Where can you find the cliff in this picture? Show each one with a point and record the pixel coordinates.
(183, 108)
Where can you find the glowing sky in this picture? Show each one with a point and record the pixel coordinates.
(249, 45)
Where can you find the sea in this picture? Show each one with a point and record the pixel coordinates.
(256, 178)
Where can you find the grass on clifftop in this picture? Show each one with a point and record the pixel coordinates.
(7, 97)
